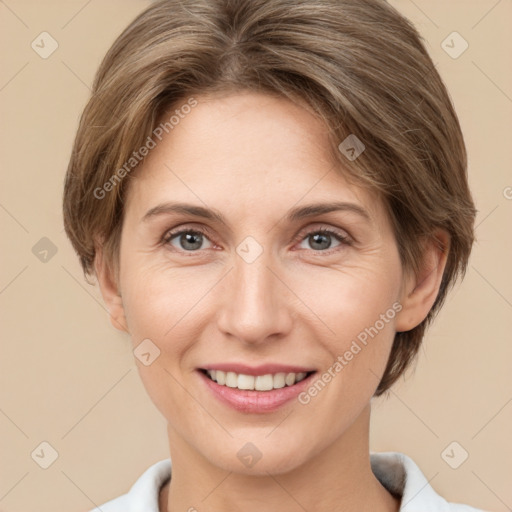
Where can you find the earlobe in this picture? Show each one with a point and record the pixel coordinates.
(420, 291)
(110, 292)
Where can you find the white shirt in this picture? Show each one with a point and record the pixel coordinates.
(396, 472)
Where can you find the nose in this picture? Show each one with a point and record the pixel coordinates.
(255, 304)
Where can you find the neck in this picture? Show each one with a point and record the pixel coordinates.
(339, 478)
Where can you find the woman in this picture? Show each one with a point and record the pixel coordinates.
(273, 198)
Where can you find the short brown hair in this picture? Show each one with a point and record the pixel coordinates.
(357, 64)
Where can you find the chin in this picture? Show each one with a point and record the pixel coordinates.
(259, 458)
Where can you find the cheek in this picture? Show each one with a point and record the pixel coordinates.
(356, 307)
(166, 306)
(351, 299)
(157, 299)
(159, 309)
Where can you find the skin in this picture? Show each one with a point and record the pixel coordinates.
(253, 157)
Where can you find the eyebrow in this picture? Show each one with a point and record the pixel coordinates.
(297, 213)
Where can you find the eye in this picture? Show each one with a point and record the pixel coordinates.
(188, 240)
(321, 240)
(193, 240)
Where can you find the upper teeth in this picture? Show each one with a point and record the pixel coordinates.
(259, 383)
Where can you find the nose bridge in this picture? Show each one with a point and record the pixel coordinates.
(254, 306)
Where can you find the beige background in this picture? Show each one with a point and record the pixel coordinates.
(68, 378)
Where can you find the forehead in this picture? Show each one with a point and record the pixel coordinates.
(249, 152)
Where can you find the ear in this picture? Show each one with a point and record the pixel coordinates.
(420, 291)
(110, 291)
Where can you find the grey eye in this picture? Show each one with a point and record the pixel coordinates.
(320, 241)
(188, 240)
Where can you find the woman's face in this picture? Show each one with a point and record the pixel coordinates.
(246, 283)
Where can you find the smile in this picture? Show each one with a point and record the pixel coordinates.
(265, 382)
(256, 390)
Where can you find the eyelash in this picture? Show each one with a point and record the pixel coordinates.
(344, 240)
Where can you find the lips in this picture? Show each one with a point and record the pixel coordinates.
(260, 378)
(255, 389)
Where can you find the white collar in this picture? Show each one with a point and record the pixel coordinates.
(396, 471)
